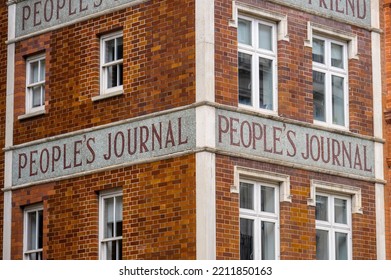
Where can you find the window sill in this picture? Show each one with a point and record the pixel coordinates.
(331, 126)
(258, 110)
(107, 95)
(32, 114)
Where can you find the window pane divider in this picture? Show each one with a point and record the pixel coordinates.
(112, 63)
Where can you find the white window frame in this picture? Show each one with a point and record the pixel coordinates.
(257, 53)
(29, 86)
(26, 252)
(258, 216)
(330, 71)
(280, 182)
(104, 91)
(333, 227)
(353, 194)
(102, 240)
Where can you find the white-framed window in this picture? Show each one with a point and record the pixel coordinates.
(110, 220)
(330, 81)
(35, 83)
(259, 220)
(333, 227)
(33, 232)
(111, 63)
(257, 63)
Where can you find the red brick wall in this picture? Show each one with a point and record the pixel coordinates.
(159, 68)
(295, 66)
(387, 106)
(159, 219)
(297, 219)
(3, 81)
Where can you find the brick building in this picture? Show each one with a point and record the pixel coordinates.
(387, 117)
(3, 80)
(142, 129)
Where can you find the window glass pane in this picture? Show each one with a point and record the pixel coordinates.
(246, 239)
(118, 215)
(318, 50)
(112, 72)
(244, 32)
(267, 199)
(111, 250)
(35, 256)
(37, 96)
(265, 37)
(340, 211)
(120, 48)
(337, 56)
(322, 245)
(120, 75)
(338, 100)
(319, 96)
(246, 196)
(108, 221)
(341, 246)
(265, 83)
(321, 210)
(40, 229)
(119, 249)
(32, 231)
(109, 50)
(34, 72)
(245, 80)
(42, 70)
(268, 241)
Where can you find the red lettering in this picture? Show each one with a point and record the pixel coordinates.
(365, 160)
(350, 3)
(316, 148)
(307, 141)
(336, 148)
(45, 15)
(82, 9)
(233, 129)
(347, 154)
(134, 141)
(54, 157)
(277, 140)
(25, 16)
(91, 150)
(70, 8)
(97, 4)
(169, 136)
(357, 159)
(66, 166)
(33, 161)
(337, 7)
(265, 148)
(293, 145)
(76, 153)
(46, 152)
(180, 133)
(156, 135)
(122, 144)
(322, 3)
(36, 13)
(22, 165)
(325, 152)
(221, 130)
(255, 135)
(144, 138)
(364, 14)
(249, 134)
(60, 7)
